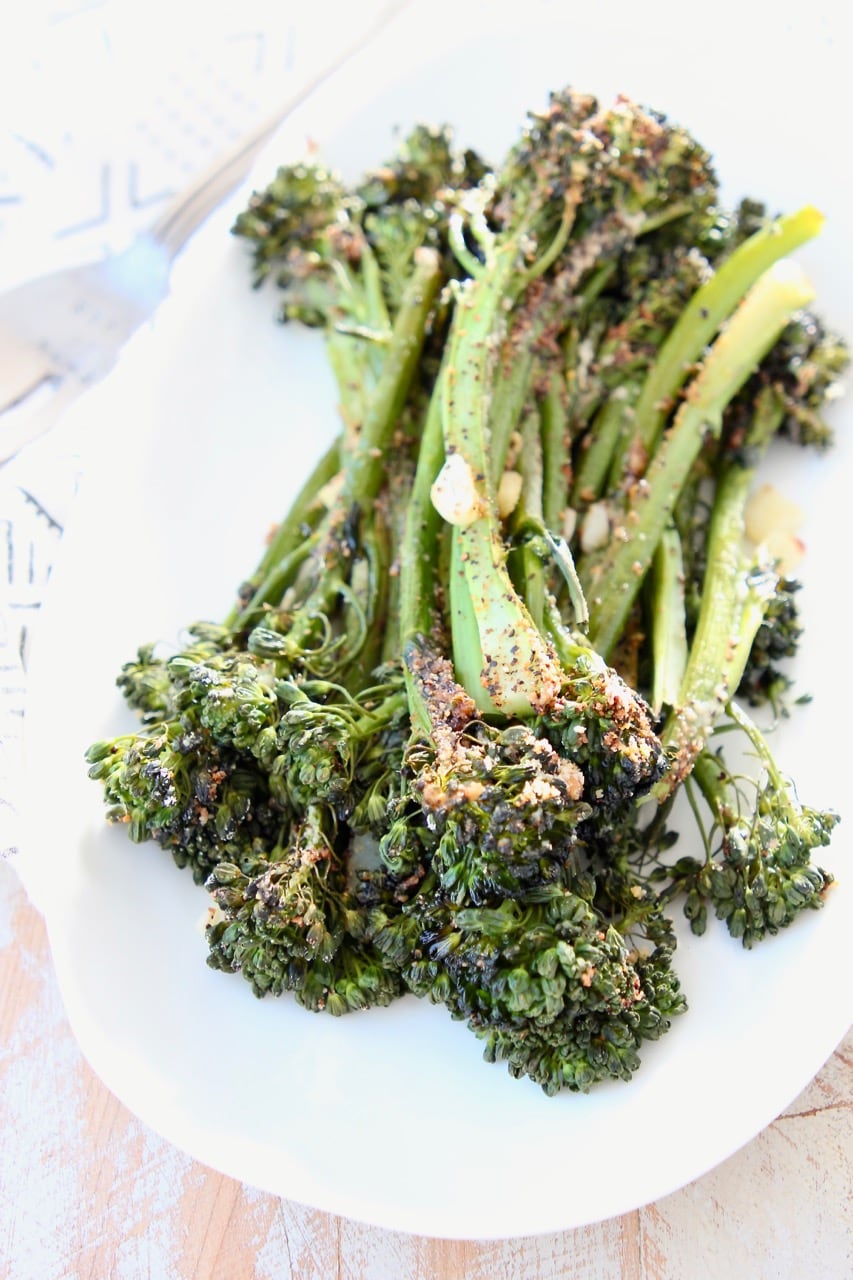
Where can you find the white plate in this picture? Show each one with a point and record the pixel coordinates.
(196, 443)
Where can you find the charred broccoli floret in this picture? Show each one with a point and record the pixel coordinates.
(758, 875)
(550, 986)
(766, 680)
(507, 929)
(201, 802)
(298, 919)
(295, 924)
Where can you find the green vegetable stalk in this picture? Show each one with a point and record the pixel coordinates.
(613, 581)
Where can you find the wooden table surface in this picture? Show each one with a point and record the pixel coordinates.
(87, 1192)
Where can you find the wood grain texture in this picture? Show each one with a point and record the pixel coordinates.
(87, 1192)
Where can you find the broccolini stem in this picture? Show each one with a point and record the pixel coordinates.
(270, 591)
(422, 534)
(519, 366)
(709, 678)
(363, 462)
(527, 568)
(708, 771)
(367, 621)
(555, 453)
(769, 415)
(734, 598)
(613, 582)
(341, 568)
(502, 660)
(356, 352)
(511, 389)
(289, 536)
(717, 785)
(595, 461)
(779, 786)
(709, 308)
(377, 317)
(418, 579)
(366, 466)
(667, 622)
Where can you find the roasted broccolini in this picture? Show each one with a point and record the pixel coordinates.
(435, 748)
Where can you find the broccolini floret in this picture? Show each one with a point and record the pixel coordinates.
(758, 874)
(293, 924)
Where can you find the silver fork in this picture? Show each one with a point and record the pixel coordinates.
(63, 332)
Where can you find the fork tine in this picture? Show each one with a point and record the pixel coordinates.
(36, 414)
(23, 368)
